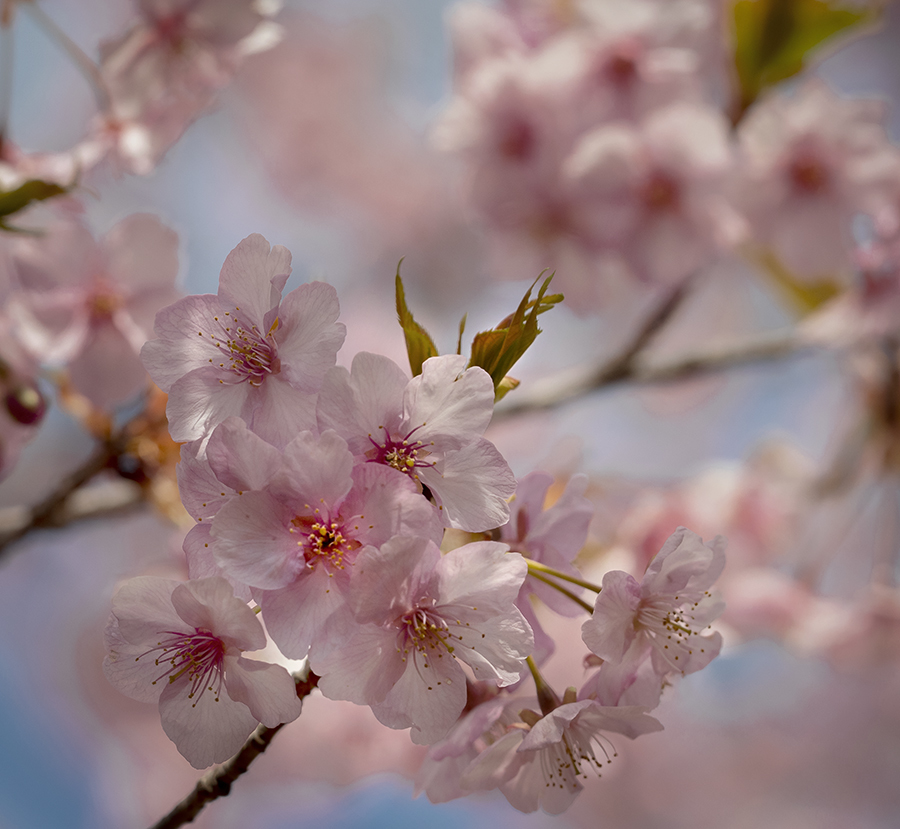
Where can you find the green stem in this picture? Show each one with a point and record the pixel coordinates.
(547, 697)
(568, 593)
(558, 574)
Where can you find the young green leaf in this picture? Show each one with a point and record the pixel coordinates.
(774, 39)
(497, 350)
(419, 345)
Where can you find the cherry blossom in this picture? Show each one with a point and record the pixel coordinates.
(181, 645)
(418, 613)
(246, 352)
(540, 761)
(297, 537)
(429, 428)
(811, 161)
(91, 305)
(666, 612)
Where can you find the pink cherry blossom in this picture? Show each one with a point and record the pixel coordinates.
(429, 428)
(418, 613)
(297, 537)
(90, 305)
(811, 161)
(181, 645)
(540, 761)
(246, 352)
(212, 472)
(666, 612)
(165, 70)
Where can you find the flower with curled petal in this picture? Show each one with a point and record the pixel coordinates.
(666, 613)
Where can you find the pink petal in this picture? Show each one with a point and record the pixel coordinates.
(253, 276)
(308, 335)
(267, 690)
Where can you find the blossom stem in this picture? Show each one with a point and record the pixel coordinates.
(568, 593)
(547, 697)
(535, 566)
(217, 783)
(82, 61)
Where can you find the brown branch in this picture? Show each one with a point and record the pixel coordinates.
(217, 783)
(49, 512)
(632, 367)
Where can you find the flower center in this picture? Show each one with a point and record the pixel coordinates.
(405, 454)
(245, 351)
(573, 756)
(427, 635)
(199, 655)
(324, 541)
(660, 192)
(808, 174)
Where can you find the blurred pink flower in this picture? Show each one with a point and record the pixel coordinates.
(91, 305)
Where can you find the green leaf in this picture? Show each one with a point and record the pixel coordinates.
(12, 201)
(498, 350)
(419, 345)
(803, 296)
(774, 38)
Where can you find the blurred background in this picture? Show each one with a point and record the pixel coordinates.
(326, 145)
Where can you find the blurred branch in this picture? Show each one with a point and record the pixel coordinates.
(217, 782)
(52, 511)
(630, 366)
(69, 502)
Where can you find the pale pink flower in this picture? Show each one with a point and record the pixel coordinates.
(652, 193)
(541, 761)
(180, 644)
(429, 428)
(91, 305)
(246, 352)
(212, 472)
(418, 613)
(811, 162)
(165, 70)
(297, 536)
(666, 613)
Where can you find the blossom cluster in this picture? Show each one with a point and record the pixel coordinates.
(601, 135)
(321, 497)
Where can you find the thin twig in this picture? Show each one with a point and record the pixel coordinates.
(48, 512)
(582, 380)
(555, 391)
(218, 782)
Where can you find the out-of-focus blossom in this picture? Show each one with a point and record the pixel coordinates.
(181, 645)
(246, 352)
(811, 161)
(653, 194)
(418, 613)
(429, 428)
(91, 305)
(165, 70)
